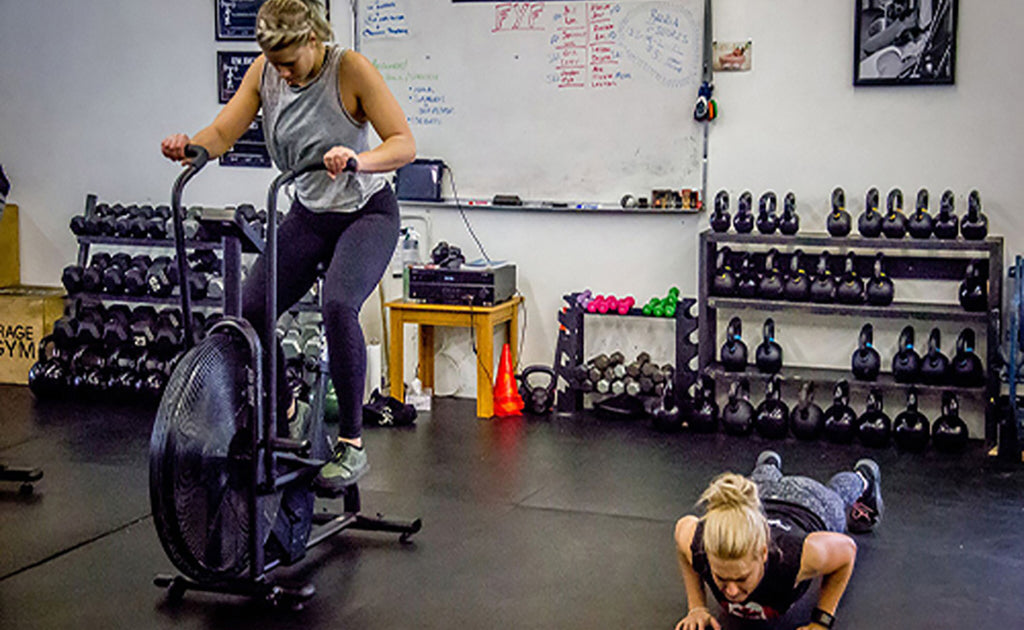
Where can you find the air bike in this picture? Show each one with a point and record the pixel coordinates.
(232, 497)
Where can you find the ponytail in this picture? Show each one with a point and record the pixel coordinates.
(283, 23)
(734, 523)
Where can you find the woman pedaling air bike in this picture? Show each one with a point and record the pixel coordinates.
(318, 101)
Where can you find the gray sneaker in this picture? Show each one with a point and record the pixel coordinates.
(346, 466)
(866, 512)
(769, 457)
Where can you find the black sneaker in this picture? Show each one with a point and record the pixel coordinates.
(769, 457)
(866, 512)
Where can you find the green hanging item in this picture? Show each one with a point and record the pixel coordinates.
(331, 413)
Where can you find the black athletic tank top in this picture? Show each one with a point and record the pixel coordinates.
(778, 589)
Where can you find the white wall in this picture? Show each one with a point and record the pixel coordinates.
(88, 89)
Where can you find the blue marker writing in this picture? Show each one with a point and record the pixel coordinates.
(586, 206)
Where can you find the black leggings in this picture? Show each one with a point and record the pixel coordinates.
(356, 247)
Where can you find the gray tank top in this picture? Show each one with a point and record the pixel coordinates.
(302, 123)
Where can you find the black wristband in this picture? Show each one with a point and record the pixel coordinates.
(822, 618)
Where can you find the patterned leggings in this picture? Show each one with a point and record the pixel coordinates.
(830, 503)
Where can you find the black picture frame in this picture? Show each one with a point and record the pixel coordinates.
(231, 67)
(905, 42)
(236, 19)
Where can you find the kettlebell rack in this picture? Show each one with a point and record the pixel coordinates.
(905, 259)
(569, 351)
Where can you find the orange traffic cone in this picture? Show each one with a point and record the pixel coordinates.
(507, 401)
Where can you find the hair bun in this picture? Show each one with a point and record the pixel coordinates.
(730, 491)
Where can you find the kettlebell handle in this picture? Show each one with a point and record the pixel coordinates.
(794, 262)
(773, 388)
(867, 336)
(769, 260)
(906, 341)
(746, 202)
(841, 393)
(789, 204)
(922, 200)
(894, 202)
(838, 199)
(734, 331)
(524, 376)
(946, 205)
(768, 331)
(950, 404)
(878, 265)
(721, 201)
(934, 341)
(806, 396)
(965, 342)
(875, 401)
(850, 259)
(974, 205)
(768, 203)
(871, 200)
(823, 263)
(912, 399)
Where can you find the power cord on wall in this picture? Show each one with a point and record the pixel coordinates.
(465, 219)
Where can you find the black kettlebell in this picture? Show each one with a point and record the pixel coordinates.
(850, 289)
(767, 220)
(839, 221)
(934, 364)
(906, 363)
(824, 284)
(879, 289)
(797, 287)
(748, 278)
(946, 224)
(770, 287)
(974, 226)
(910, 430)
(869, 224)
(894, 223)
(720, 219)
(539, 398)
(919, 224)
(768, 355)
(668, 412)
(874, 425)
(705, 408)
(772, 417)
(743, 221)
(789, 222)
(724, 282)
(966, 366)
(865, 362)
(738, 413)
(807, 420)
(973, 293)
(734, 351)
(949, 433)
(840, 423)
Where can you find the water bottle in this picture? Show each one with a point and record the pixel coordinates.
(410, 247)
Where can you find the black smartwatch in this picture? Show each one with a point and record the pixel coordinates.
(822, 618)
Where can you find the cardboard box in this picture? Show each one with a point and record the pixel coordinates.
(27, 315)
(10, 264)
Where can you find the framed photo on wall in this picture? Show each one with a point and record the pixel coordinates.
(905, 42)
(236, 19)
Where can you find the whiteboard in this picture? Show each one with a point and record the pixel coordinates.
(560, 101)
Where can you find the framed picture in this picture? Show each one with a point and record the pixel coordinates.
(236, 19)
(905, 42)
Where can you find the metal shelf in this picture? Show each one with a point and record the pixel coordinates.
(146, 242)
(795, 374)
(896, 310)
(825, 240)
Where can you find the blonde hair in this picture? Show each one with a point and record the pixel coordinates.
(734, 525)
(283, 23)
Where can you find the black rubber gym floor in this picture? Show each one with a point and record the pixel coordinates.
(528, 523)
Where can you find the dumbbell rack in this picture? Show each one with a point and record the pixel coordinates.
(569, 349)
(907, 258)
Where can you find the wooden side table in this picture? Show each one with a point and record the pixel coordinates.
(482, 319)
